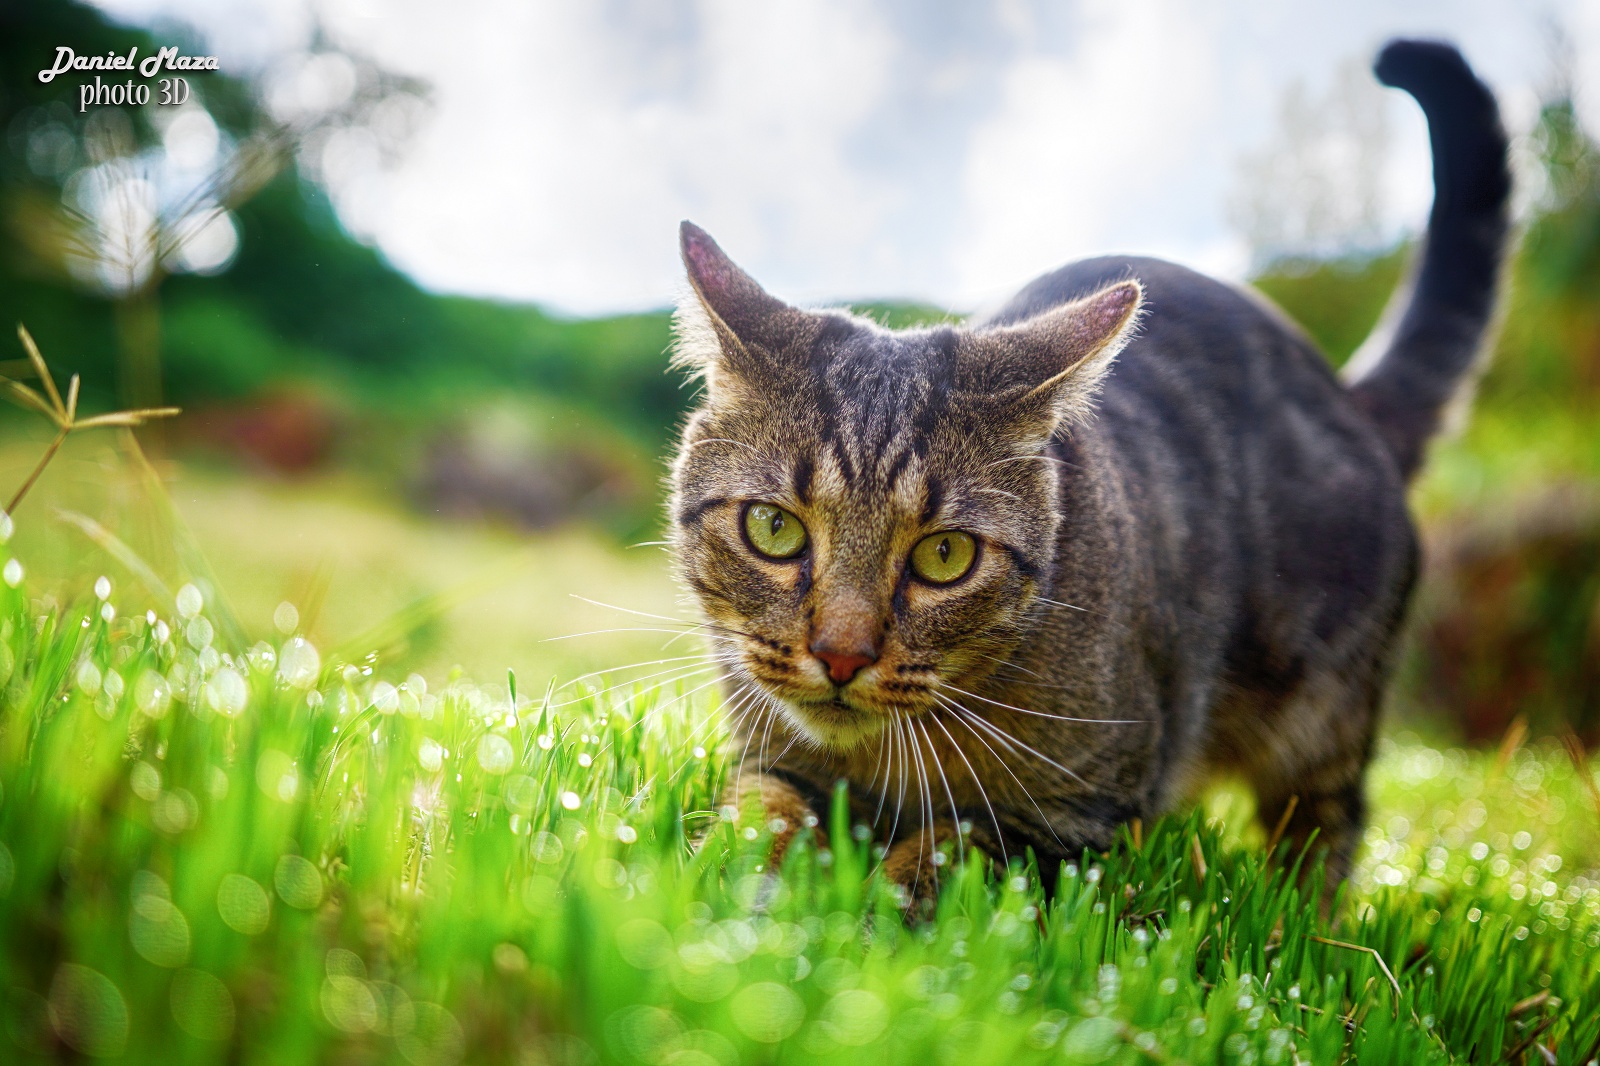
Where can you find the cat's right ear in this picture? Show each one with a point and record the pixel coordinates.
(729, 327)
(1049, 368)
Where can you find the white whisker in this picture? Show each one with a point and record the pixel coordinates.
(722, 440)
(632, 611)
(683, 673)
(1043, 714)
(1058, 603)
(688, 626)
(734, 710)
(658, 708)
(900, 798)
(877, 767)
(642, 662)
(1000, 836)
(924, 802)
(955, 812)
(961, 718)
(1014, 743)
(607, 632)
(744, 753)
(1008, 662)
(761, 752)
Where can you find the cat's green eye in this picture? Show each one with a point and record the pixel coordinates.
(943, 557)
(774, 532)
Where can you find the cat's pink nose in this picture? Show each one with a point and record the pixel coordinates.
(842, 666)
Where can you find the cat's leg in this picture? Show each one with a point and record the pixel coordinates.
(1334, 812)
(1311, 779)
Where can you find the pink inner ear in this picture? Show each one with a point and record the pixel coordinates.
(707, 264)
(1106, 310)
(733, 295)
(1091, 322)
(1113, 304)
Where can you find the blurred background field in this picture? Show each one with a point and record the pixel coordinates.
(361, 566)
(444, 474)
(456, 469)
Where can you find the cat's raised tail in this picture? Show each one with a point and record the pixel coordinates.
(1406, 375)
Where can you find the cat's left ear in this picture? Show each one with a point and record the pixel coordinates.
(1050, 367)
(730, 329)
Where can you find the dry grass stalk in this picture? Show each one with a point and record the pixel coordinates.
(63, 414)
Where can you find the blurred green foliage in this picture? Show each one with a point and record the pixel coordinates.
(1336, 301)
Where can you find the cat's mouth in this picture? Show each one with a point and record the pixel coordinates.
(836, 722)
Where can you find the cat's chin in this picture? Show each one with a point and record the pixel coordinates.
(834, 724)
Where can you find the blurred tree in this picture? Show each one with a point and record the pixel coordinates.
(298, 298)
(113, 199)
(1315, 188)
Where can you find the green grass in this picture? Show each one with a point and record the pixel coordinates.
(260, 855)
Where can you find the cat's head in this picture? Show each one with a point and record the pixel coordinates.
(866, 514)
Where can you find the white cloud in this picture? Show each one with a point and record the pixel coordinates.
(1088, 149)
(845, 149)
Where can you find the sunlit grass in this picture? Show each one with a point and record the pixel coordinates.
(264, 854)
(349, 553)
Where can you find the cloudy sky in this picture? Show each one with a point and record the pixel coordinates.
(892, 148)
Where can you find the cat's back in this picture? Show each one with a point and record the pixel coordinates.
(1217, 371)
(1250, 463)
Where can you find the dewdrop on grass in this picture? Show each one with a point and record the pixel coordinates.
(145, 780)
(286, 618)
(88, 678)
(299, 663)
(227, 693)
(298, 882)
(262, 657)
(277, 776)
(152, 694)
(190, 601)
(12, 573)
(385, 697)
(495, 754)
(199, 633)
(521, 793)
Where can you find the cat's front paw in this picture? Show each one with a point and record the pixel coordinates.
(915, 866)
(780, 806)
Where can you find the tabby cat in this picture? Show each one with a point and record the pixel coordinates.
(1033, 577)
